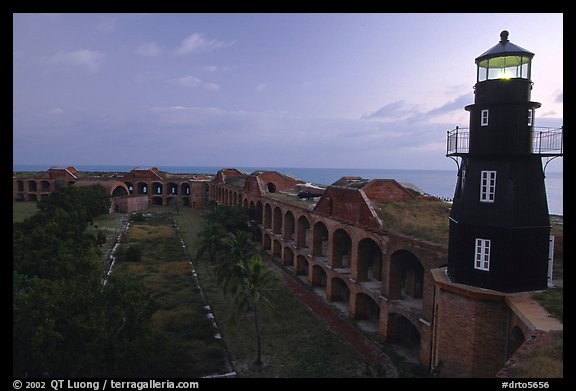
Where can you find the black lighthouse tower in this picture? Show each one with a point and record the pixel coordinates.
(499, 222)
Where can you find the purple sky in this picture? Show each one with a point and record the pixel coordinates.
(265, 90)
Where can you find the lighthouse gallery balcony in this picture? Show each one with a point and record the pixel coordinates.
(545, 141)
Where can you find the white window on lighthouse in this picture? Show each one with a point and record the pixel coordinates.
(484, 118)
(530, 117)
(482, 254)
(487, 186)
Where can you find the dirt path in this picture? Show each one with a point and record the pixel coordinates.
(375, 358)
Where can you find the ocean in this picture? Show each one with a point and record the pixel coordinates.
(440, 183)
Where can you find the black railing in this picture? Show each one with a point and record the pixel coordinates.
(458, 141)
(548, 141)
(545, 141)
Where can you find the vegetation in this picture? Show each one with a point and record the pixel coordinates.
(22, 210)
(180, 340)
(423, 218)
(300, 345)
(238, 269)
(544, 361)
(64, 323)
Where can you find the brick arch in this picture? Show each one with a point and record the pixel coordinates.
(319, 276)
(259, 212)
(267, 242)
(267, 215)
(405, 275)
(340, 290)
(288, 257)
(320, 240)
(515, 340)
(302, 266)
(370, 260)
(120, 190)
(404, 331)
(277, 220)
(32, 186)
(157, 188)
(185, 188)
(143, 188)
(366, 311)
(303, 232)
(172, 188)
(45, 186)
(289, 225)
(341, 248)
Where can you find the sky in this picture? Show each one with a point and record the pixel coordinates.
(261, 90)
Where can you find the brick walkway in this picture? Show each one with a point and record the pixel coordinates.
(373, 356)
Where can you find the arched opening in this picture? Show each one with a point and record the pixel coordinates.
(302, 238)
(367, 312)
(257, 235)
(319, 279)
(288, 226)
(277, 249)
(288, 259)
(172, 188)
(119, 191)
(271, 187)
(130, 187)
(156, 200)
(340, 295)
(515, 340)
(245, 203)
(259, 212)
(267, 243)
(20, 185)
(157, 188)
(20, 197)
(267, 216)
(406, 276)
(342, 249)
(320, 245)
(186, 201)
(404, 337)
(142, 188)
(277, 228)
(185, 189)
(32, 186)
(45, 187)
(302, 266)
(369, 261)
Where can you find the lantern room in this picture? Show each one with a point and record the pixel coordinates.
(504, 61)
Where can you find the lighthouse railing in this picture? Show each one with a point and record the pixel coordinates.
(548, 141)
(457, 141)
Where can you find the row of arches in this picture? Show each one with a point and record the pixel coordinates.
(158, 188)
(350, 267)
(225, 196)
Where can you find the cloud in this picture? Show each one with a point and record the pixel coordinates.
(193, 82)
(559, 98)
(89, 59)
(149, 49)
(402, 111)
(216, 68)
(56, 111)
(262, 87)
(197, 43)
(106, 26)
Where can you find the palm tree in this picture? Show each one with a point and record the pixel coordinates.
(236, 247)
(211, 241)
(252, 290)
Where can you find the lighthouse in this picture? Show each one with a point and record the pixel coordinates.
(499, 221)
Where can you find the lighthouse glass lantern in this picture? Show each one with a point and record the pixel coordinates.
(499, 221)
